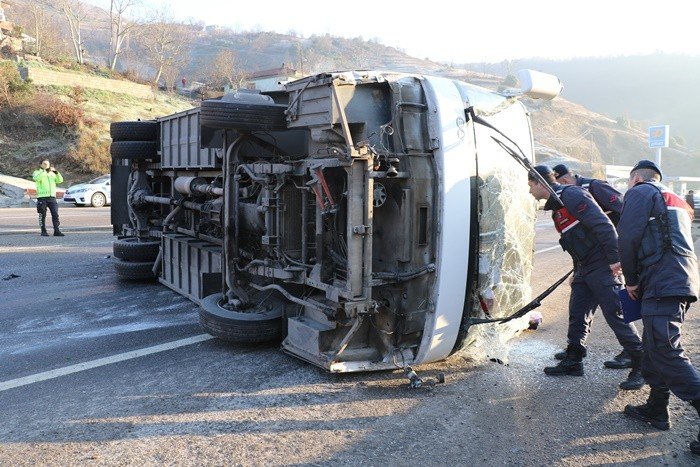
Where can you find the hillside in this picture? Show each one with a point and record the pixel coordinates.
(69, 126)
(565, 131)
(651, 89)
(612, 132)
(255, 50)
(265, 50)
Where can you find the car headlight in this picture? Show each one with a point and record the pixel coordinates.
(79, 190)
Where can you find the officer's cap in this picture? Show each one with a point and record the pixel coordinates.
(560, 170)
(543, 170)
(645, 164)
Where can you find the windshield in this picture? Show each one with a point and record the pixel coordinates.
(482, 100)
(99, 180)
(506, 230)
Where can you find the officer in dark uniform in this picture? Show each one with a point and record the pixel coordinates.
(590, 238)
(603, 193)
(661, 270)
(610, 200)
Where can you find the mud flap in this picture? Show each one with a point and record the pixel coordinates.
(119, 211)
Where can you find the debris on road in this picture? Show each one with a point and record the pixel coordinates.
(535, 320)
(418, 382)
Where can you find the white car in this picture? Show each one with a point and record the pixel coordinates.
(96, 192)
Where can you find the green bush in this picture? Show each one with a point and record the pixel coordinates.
(12, 87)
(17, 31)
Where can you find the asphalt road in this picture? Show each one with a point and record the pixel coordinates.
(94, 370)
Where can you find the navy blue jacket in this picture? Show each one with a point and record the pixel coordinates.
(580, 218)
(605, 195)
(675, 272)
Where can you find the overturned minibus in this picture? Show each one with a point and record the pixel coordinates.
(359, 218)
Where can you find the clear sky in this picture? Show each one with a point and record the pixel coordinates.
(462, 31)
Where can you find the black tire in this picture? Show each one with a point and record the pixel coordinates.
(241, 328)
(134, 150)
(239, 116)
(134, 131)
(134, 271)
(131, 249)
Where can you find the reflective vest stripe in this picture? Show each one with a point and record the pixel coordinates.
(674, 201)
(570, 226)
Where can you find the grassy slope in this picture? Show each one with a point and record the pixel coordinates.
(80, 151)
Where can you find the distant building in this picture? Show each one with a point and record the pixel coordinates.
(269, 80)
(618, 175)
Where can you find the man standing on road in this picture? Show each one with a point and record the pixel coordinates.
(590, 238)
(46, 179)
(610, 200)
(661, 270)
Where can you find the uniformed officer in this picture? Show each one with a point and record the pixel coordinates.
(590, 238)
(603, 193)
(610, 200)
(661, 270)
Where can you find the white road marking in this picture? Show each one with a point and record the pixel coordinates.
(15, 383)
(62, 215)
(547, 249)
(22, 249)
(64, 228)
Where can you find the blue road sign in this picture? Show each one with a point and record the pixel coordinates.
(658, 136)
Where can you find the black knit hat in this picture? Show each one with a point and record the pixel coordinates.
(560, 170)
(645, 164)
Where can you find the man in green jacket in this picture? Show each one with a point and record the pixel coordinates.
(46, 179)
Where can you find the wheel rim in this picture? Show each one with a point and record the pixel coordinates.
(98, 200)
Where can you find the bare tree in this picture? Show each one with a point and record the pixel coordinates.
(166, 45)
(75, 13)
(227, 68)
(308, 59)
(43, 28)
(170, 76)
(119, 28)
(40, 25)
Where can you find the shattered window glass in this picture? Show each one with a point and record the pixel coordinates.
(506, 240)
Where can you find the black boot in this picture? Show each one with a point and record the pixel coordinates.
(695, 445)
(634, 380)
(57, 233)
(655, 411)
(619, 361)
(572, 364)
(44, 233)
(562, 355)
